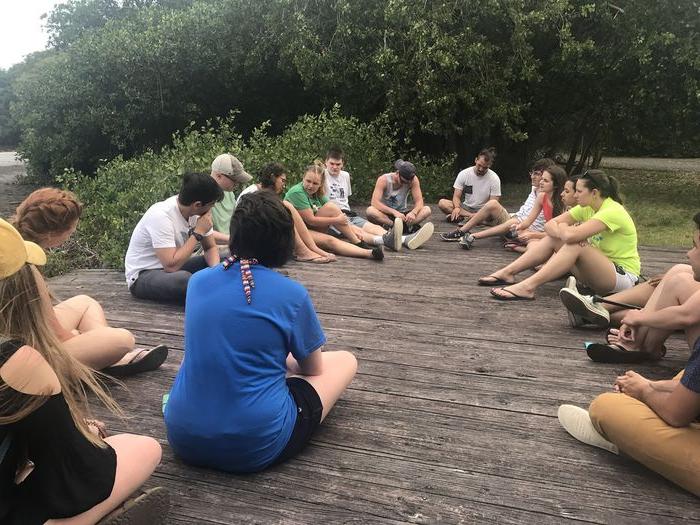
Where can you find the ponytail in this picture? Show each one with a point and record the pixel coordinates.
(607, 185)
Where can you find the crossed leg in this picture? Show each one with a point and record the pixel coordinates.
(94, 343)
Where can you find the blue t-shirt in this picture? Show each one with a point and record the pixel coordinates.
(691, 375)
(230, 407)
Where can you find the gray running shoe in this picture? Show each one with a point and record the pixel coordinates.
(392, 238)
(452, 236)
(418, 239)
(467, 241)
(582, 310)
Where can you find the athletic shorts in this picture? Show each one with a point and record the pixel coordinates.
(354, 218)
(624, 279)
(309, 409)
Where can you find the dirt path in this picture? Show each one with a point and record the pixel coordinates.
(11, 193)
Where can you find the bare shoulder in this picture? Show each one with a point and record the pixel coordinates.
(28, 372)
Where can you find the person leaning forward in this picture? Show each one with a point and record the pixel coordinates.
(159, 261)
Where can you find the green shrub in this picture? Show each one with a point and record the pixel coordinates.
(120, 193)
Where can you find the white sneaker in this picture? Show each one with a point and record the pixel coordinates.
(577, 422)
(581, 308)
(418, 239)
(392, 238)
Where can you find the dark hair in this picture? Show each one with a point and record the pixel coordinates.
(488, 153)
(335, 152)
(542, 164)
(199, 187)
(573, 179)
(262, 228)
(607, 185)
(270, 173)
(559, 179)
(696, 220)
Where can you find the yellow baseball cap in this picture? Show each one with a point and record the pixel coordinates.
(15, 252)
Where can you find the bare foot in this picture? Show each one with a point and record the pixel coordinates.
(313, 258)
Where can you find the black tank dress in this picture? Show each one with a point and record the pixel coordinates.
(70, 476)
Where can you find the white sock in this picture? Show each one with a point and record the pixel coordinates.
(378, 240)
(404, 237)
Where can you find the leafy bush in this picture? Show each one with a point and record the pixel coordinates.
(124, 189)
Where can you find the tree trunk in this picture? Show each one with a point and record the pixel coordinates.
(575, 146)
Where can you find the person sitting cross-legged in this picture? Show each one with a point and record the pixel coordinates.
(596, 241)
(390, 205)
(652, 422)
(481, 189)
(159, 261)
(255, 383)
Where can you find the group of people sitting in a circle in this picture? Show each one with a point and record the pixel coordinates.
(255, 382)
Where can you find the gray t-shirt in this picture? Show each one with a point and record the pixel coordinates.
(477, 190)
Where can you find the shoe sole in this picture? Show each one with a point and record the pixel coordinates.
(450, 240)
(150, 508)
(575, 304)
(398, 233)
(421, 236)
(577, 422)
(571, 283)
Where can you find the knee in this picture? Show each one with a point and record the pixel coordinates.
(88, 301)
(445, 205)
(125, 338)
(349, 361)
(606, 409)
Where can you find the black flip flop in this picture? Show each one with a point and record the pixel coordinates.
(151, 361)
(602, 353)
(512, 297)
(490, 280)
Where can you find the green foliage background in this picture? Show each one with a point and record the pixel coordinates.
(532, 77)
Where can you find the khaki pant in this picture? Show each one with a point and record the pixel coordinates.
(639, 433)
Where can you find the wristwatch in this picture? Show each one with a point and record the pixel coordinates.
(197, 236)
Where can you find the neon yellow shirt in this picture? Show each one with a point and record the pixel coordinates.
(618, 241)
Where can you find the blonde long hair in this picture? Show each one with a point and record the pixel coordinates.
(23, 317)
(319, 169)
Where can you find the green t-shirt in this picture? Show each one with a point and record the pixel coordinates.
(222, 212)
(619, 240)
(301, 201)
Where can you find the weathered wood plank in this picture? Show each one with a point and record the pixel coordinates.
(451, 418)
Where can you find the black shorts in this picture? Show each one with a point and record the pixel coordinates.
(309, 409)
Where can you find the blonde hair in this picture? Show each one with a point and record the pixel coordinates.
(46, 212)
(23, 317)
(319, 169)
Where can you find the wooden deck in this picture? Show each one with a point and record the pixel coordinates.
(451, 418)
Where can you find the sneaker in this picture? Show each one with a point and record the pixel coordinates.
(150, 507)
(577, 422)
(392, 238)
(452, 236)
(582, 308)
(510, 235)
(377, 253)
(364, 245)
(418, 239)
(467, 241)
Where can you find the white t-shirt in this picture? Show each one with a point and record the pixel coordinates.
(525, 210)
(338, 189)
(162, 226)
(250, 189)
(477, 190)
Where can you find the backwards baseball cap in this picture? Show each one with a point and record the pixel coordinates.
(228, 165)
(15, 252)
(406, 169)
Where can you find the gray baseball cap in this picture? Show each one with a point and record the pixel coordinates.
(228, 165)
